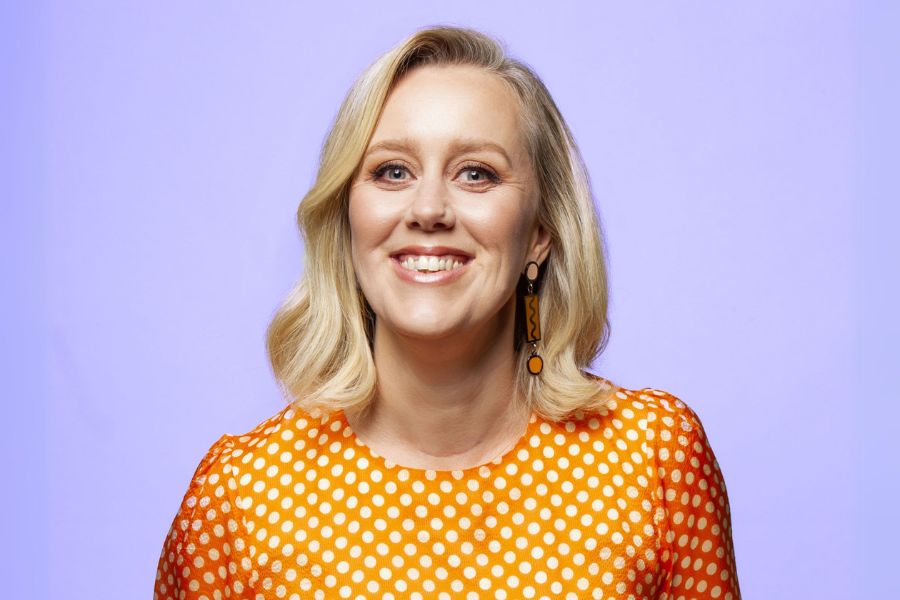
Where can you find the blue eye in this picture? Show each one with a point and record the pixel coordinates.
(479, 174)
(476, 174)
(393, 171)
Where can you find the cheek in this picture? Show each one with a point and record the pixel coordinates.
(370, 222)
(504, 225)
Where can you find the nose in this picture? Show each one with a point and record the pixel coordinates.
(430, 208)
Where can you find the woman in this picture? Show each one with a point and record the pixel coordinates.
(443, 438)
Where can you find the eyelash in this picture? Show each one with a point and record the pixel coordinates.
(379, 171)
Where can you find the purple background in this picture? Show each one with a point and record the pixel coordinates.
(744, 159)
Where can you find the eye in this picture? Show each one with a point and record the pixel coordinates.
(478, 174)
(390, 172)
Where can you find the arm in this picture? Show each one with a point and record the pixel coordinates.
(203, 553)
(696, 527)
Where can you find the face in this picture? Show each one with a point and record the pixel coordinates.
(443, 210)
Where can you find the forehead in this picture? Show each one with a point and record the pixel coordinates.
(438, 105)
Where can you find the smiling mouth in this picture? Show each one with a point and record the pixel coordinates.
(430, 264)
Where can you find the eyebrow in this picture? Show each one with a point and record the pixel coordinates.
(458, 146)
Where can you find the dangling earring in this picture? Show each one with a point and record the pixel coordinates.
(532, 318)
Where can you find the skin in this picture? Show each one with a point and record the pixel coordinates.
(444, 352)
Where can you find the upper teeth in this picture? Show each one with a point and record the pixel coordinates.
(430, 263)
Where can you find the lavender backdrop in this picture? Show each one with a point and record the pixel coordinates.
(744, 160)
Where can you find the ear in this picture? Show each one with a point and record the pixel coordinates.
(540, 243)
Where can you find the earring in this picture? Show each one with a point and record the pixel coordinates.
(532, 318)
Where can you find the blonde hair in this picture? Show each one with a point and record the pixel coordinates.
(319, 340)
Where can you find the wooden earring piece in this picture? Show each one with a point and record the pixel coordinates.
(532, 319)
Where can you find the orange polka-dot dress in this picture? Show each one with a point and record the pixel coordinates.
(623, 502)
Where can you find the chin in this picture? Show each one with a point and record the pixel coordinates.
(431, 325)
(424, 331)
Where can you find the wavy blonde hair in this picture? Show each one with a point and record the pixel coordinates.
(320, 340)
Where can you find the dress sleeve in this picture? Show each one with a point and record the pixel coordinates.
(696, 522)
(203, 554)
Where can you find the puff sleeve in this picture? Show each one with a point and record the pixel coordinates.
(203, 555)
(696, 516)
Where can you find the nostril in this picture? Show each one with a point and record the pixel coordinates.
(438, 226)
(429, 216)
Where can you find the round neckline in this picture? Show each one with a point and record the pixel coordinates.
(531, 428)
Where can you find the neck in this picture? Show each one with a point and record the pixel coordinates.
(445, 404)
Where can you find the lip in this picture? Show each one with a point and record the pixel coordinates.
(432, 251)
(436, 277)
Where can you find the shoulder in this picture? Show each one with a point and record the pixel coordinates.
(677, 426)
(225, 460)
(657, 427)
(221, 477)
(273, 435)
(210, 532)
(219, 464)
(672, 414)
(285, 443)
(648, 408)
(678, 445)
(653, 422)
